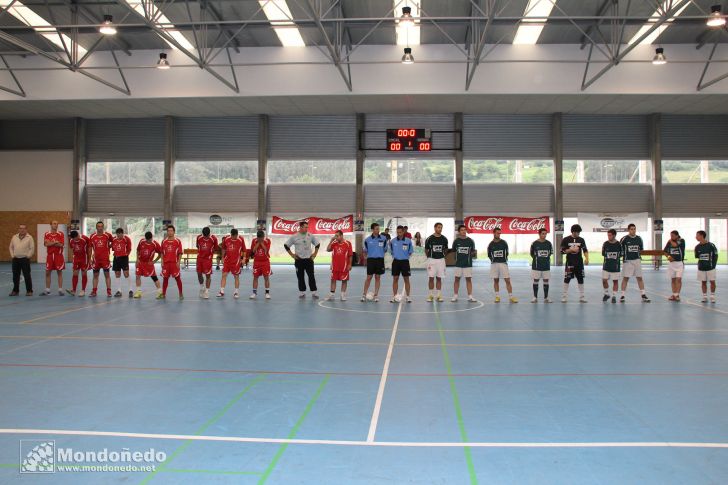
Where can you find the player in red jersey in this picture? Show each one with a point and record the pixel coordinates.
(147, 249)
(260, 250)
(53, 240)
(206, 246)
(121, 246)
(341, 256)
(171, 258)
(233, 252)
(81, 249)
(100, 246)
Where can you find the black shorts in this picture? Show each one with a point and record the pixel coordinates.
(400, 267)
(375, 266)
(121, 263)
(571, 272)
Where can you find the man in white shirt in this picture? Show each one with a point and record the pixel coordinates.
(22, 248)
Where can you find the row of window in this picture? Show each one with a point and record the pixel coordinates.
(408, 171)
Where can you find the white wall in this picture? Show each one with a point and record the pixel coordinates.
(36, 180)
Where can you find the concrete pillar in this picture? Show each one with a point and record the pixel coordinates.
(655, 145)
(580, 172)
(518, 173)
(170, 156)
(263, 149)
(79, 168)
(558, 155)
(359, 203)
(704, 172)
(459, 206)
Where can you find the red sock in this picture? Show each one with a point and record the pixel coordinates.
(84, 282)
(165, 283)
(179, 284)
(74, 281)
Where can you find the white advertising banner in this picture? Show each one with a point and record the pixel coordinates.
(603, 222)
(224, 219)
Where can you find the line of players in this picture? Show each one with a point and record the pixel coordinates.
(622, 260)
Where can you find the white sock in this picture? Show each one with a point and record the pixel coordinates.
(131, 284)
(581, 290)
(623, 293)
(606, 291)
(566, 288)
(642, 292)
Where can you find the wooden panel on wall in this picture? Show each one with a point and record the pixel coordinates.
(10, 220)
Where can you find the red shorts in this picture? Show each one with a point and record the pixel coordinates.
(261, 268)
(55, 262)
(339, 275)
(204, 265)
(101, 264)
(232, 267)
(145, 269)
(170, 270)
(80, 264)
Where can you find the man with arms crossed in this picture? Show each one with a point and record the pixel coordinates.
(632, 247)
(464, 249)
(100, 246)
(233, 251)
(401, 247)
(22, 248)
(675, 251)
(260, 249)
(577, 256)
(375, 246)
(541, 252)
(341, 255)
(55, 259)
(707, 255)
(81, 249)
(307, 247)
(435, 249)
(206, 245)
(147, 249)
(498, 255)
(612, 252)
(121, 245)
(171, 258)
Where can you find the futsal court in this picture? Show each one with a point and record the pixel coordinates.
(289, 391)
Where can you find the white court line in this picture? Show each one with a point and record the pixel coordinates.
(401, 444)
(702, 306)
(385, 374)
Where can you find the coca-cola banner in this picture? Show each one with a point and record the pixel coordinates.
(508, 225)
(316, 225)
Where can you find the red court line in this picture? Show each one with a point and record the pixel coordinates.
(375, 374)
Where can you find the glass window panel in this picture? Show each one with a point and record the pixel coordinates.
(409, 171)
(229, 172)
(125, 173)
(508, 171)
(695, 171)
(608, 171)
(312, 171)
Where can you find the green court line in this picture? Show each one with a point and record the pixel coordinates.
(204, 427)
(9, 465)
(215, 472)
(294, 430)
(455, 398)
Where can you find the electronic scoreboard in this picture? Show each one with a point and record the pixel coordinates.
(409, 140)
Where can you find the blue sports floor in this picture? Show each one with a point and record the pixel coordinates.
(289, 391)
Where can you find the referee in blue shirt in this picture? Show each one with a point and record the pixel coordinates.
(401, 247)
(374, 248)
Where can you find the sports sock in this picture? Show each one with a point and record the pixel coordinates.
(267, 290)
(606, 290)
(545, 290)
(179, 284)
(84, 281)
(118, 284)
(165, 283)
(74, 281)
(131, 284)
(642, 292)
(566, 288)
(255, 291)
(622, 292)
(535, 290)
(581, 289)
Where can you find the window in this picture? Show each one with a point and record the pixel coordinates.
(188, 235)
(231, 172)
(312, 172)
(508, 171)
(695, 171)
(125, 173)
(409, 171)
(608, 171)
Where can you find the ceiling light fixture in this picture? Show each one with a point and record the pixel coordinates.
(659, 59)
(716, 18)
(407, 25)
(107, 26)
(408, 58)
(406, 19)
(163, 63)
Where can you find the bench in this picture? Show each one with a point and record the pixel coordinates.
(191, 254)
(656, 254)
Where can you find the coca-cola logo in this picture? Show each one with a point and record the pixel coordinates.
(508, 224)
(333, 225)
(527, 225)
(286, 226)
(485, 224)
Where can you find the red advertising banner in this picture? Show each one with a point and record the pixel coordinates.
(508, 225)
(316, 225)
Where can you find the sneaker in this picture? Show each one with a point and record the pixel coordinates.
(117, 294)
(108, 292)
(314, 296)
(582, 299)
(497, 299)
(672, 298)
(430, 299)
(45, 293)
(393, 300)
(28, 293)
(547, 300)
(440, 299)
(14, 293)
(376, 299)
(267, 296)
(564, 299)
(206, 294)
(712, 298)
(329, 297)
(605, 298)
(81, 293)
(138, 294)
(70, 293)
(409, 300)
(342, 298)
(677, 298)
(301, 296)
(236, 295)
(513, 299)
(645, 299)
(220, 294)
(704, 299)
(614, 299)
(202, 291)
(363, 299)
(454, 299)
(61, 293)
(181, 297)
(131, 294)
(253, 296)
(534, 300)
(161, 296)
(622, 299)
(92, 294)
(472, 299)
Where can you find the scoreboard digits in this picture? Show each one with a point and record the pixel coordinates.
(409, 140)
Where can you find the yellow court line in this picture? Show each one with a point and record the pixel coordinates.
(303, 342)
(70, 310)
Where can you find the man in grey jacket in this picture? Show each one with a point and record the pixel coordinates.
(22, 248)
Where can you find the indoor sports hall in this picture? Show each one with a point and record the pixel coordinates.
(363, 241)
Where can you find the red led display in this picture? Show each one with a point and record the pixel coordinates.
(409, 140)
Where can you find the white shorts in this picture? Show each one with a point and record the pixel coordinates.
(608, 275)
(499, 270)
(632, 267)
(706, 275)
(466, 272)
(540, 275)
(675, 269)
(436, 268)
